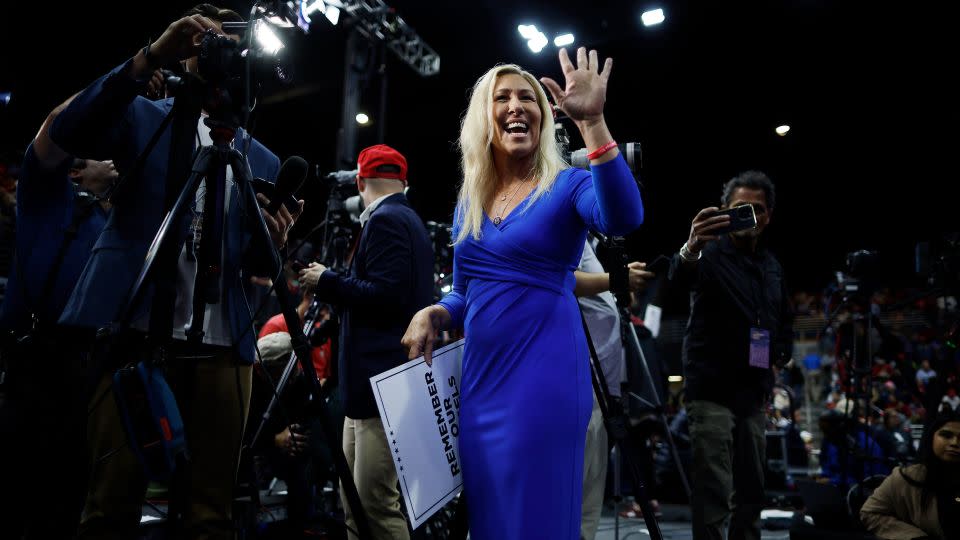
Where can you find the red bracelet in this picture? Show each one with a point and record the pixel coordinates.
(602, 150)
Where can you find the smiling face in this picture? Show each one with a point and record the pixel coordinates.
(516, 117)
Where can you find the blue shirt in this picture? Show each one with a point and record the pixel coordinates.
(45, 209)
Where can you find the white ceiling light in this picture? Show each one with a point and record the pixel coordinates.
(563, 40)
(537, 42)
(782, 130)
(528, 31)
(363, 119)
(652, 17)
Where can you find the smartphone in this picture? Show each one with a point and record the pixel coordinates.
(267, 188)
(659, 265)
(741, 218)
(297, 265)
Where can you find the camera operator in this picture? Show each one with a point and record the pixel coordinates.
(211, 380)
(60, 214)
(292, 445)
(390, 279)
(603, 320)
(740, 322)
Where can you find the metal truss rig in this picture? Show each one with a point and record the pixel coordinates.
(379, 22)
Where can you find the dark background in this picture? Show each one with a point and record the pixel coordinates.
(864, 86)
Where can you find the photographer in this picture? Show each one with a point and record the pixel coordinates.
(60, 215)
(599, 308)
(211, 380)
(740, 324)
(390, 279)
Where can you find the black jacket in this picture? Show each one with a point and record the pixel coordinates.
(390, 279)
(730, 293)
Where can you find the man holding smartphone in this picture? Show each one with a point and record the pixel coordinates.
(740, 323)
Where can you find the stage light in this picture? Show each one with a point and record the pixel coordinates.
(280, 17)
(563, 40)
(308, 8)
(363, 119)
(782, 130)
(652, 17)
(537, 42)
(333, 14)
(675, 378)
(270, 42)
(446, 288)
(5, 97)
(528, 31)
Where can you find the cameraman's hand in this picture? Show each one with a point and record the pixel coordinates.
(181, 40)
(278, 223)
(290, 441)
(423, 330)
(703, 225)
(156, 86)
(637, 276)
(310, 275)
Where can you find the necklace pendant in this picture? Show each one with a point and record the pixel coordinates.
(496, 220)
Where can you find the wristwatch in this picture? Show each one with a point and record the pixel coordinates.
(686, 255)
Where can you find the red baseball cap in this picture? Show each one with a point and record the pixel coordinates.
(381, 161)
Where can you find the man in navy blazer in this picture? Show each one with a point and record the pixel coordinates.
(212, 379)
(390, 279)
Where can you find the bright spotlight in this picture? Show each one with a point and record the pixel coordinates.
(563, 40)
(537, 42)
(270, 42)
(363, 119)
(333, 14)
(652, 17)
(782, 130)
(675, 378)
(528, 31)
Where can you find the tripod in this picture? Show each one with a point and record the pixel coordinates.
(209, 167)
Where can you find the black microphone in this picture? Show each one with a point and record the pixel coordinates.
(291, 176)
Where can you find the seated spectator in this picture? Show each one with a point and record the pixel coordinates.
(925, 373)
(921, 501)
(893, 438)
(952, 399)
(848, 454)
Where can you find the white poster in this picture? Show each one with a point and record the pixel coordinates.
(420, 408)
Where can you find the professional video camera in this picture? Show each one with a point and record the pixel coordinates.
(342, 218)
(578, 158)
(232, 72)
(858, 279)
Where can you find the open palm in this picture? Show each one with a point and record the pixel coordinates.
(586, 87)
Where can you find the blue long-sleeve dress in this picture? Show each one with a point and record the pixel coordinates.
(526, 392)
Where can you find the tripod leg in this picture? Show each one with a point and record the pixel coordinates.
(168, 237)
(653, 527)
(658, 405)
(301, 347)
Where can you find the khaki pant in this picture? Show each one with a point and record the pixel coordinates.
(368, 455)
(729, 452)
(210, 392)
(594, 473)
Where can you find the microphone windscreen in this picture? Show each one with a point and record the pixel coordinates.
(291, 176)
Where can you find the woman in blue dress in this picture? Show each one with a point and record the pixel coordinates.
(519, 230)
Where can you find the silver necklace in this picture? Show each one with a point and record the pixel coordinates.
(497, 219)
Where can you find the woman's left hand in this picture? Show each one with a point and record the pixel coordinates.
(586, 87)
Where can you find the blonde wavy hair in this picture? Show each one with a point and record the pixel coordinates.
(476, 137)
